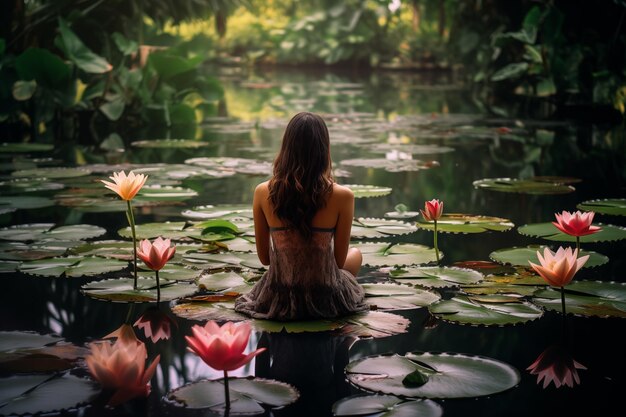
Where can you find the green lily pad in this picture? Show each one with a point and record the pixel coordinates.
(450, 375)
(18, 251)
(246, 395)
(165, 193)
(221, 281)
(522, 284)
(399, 254)
(167, 230)
(370, 228)
(367, 191)
(220, 211)
(390, 165)
(27, 185)
(436, 276)
(510, 185)
(43, 394)
(411, 148)
(7, 267)
(45, 231)
(402, 212)
(238, 165)
(385, 406)
(548, 231)
(586, 298)
(374, 324)
(520, 256)
(467, 223)
(24, 202)
(25, 147)
(485, 310)
(11, 341)
(122, 290)
(169, 144)
(72, 267)
(208, 310)
(390, 296)
(613, 206)
(51, 173)
(171, 271)
(213, 260)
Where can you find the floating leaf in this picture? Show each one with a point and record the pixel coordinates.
(72, 267)
(366, 191)
(51, 173)
(586, 298)
(389, 254)
(485, 267)
(27, 185)
(436, 276)
(522, 284)
(370, 228)
(45, 231)
(613, 206)
(467, 223)
(221, 281)
(509, 185)
(169, 143)
(122, 290)
(43, 394)
(375, 324)
(520, 256)
(18, 251)
(165, 193)
(449, 375)
(548, 231)
(209, 310)
(485, 310)
(25, 147)
(172, 271)
(390, 165)
(246, 395)
(385, 406)
(221, 211)
(390, 296)
(24, 202)
(11, 341)
(220, 260)
(167, 230)
(410, 148)
(238, 165)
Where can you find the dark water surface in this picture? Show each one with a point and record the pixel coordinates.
(362, 109)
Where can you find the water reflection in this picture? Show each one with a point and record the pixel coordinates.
(313, 363)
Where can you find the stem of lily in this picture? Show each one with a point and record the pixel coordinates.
(435, 242)
(130, 313)
(131, 219)
(563, 300)
(577, 245)
(158, 287)
(226, 393)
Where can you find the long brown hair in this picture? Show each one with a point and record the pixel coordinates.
(302, 177)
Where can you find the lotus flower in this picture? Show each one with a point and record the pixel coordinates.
(155, 255)
(555, 364)
(222, 347)
(558, 269)
(120, 367)
(155, 324)
(576, 224)
(432, 210)
(126, 186)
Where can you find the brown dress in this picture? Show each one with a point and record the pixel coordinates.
(303, 280)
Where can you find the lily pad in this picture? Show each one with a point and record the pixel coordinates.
(485, 310)
(522, 284)
(247, 395)
(450, 375)
(520, 256)
(221, 281)
(172, 272)
(43, 394)
(169, 144)
(51, 173)
(548, 231)
(46, 231)
(436, 276)
(72, 267)
(25, 147)
(390, 165)
(167, 230)
(11, 341)
(27, 185)
(402, 212)
(122, 290)
(165, 193)
(410, 148)
(467, 223)
(219, 211)
(385, 406)
(399, 254)
(24, 202)
(390, 296)
(209, 310)
(367, 191)
(19, 251)
(213, 260)
(238, 165)
(510, 185)
(370, 228)
(374, 324)
(613, 206)
(586, 298)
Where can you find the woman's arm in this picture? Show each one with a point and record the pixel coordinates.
(345, 200)
(261, 228)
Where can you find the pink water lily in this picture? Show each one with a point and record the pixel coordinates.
(433, 210)
(155, 255)
(156, 324)
(576, 224)
(558, 269)
(120, 367)
(126, 186)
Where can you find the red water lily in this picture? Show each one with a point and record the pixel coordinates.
(433, 210)
(155, 255)
(576, 224)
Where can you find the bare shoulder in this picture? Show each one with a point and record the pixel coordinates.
(342, 193)
(262, 190)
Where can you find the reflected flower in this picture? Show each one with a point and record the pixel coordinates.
(555, 364)
(126, 186)
(576, 224)
(155, 324)
(120, 367)
(125, 333)
(558, 269)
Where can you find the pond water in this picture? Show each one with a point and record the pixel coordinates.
(423, 136)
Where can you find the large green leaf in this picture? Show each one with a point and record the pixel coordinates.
(370, 228)
(485, 310)
(72, 267)
(221, 281)
(79, 54)
(122, 290)
(521, 256)
(436, 276)
(168, 65)
(390, 296)
(44, 67)
(614, 206)
(24, 90)
(514, 70)
(467, 223)
(43, 394)
(246, 395)
(550, 232)
(449, 375)
(367, 191)
(390, 254)
(510, 185)
(586, 298)
(385, 406)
